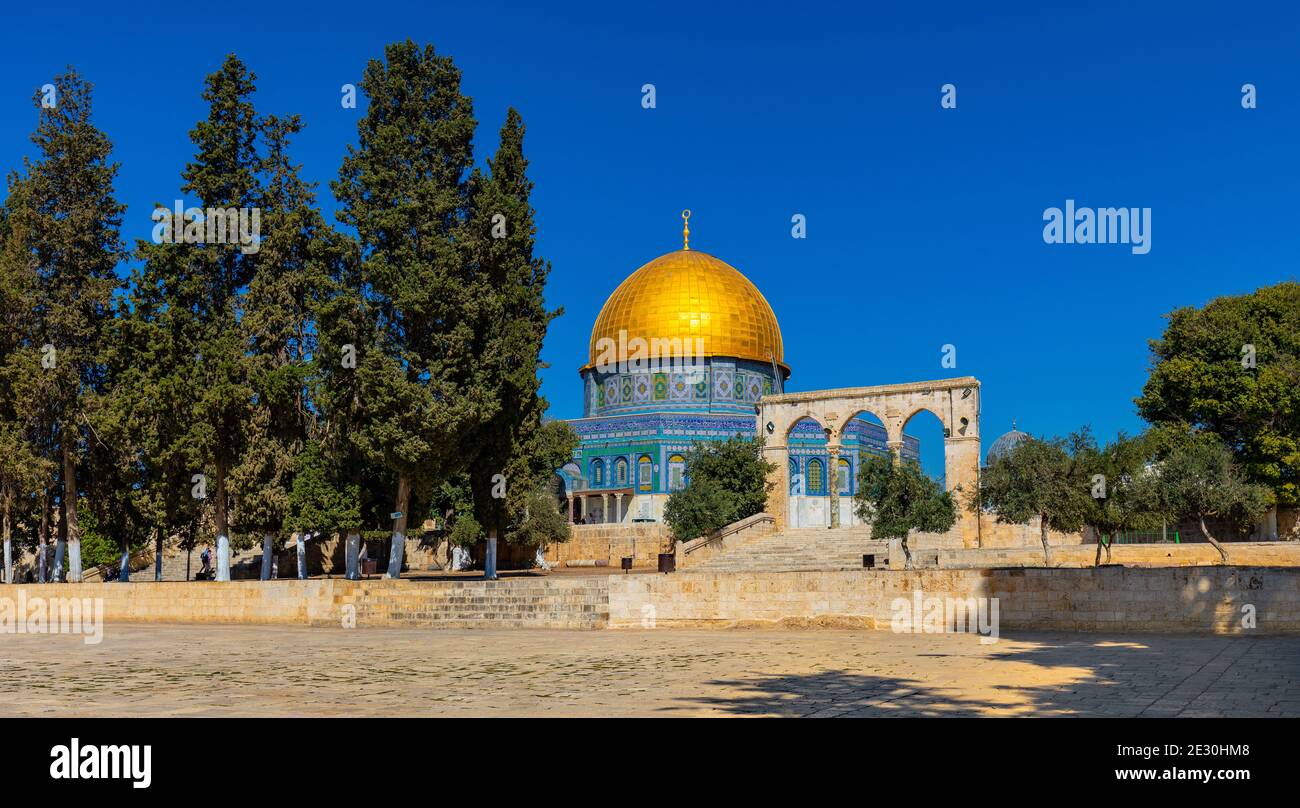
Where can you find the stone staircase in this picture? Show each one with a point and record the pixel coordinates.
(243, 564)
(524, 602)
(797, 549)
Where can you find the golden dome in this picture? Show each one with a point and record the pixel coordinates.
(687, 295)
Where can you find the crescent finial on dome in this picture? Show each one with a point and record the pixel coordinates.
(686, 229)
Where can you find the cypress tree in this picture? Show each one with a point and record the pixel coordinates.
(297, 254)
(403, 188)
(23, 469)
(74, 224)
(508, 284)
(193, 287)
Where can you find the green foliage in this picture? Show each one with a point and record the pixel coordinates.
(70, 221)
(404, 190)
(1044, 478)
(1198, 380)
(318, 501)
(703, 506)
(726, 481)
(466, 531)
(1196, 477)
(542, 524)
(232, 364)
(1119, 500)
(98, 547)
(897, 497)
(507, 281)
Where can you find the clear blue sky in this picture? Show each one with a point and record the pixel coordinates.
(924, 224)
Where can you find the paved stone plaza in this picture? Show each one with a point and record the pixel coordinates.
(173, 670)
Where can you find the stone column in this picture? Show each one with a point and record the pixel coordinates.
(894, 435)
(961, 473)
(778, 497)
(570, 500)
(618, 508)
(834, 481)
(604, 508)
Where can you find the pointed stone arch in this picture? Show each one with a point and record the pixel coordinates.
(954, 401)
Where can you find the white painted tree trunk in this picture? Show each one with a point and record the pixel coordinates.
(352, 562)
(401, 503)
(9, 561)
(60, 550)
(302, 556)
(268, 546)
(459, 558)
(158, 556)
(540, 560)
(223, 558)
(395, 555)
(490, 563)
(74, 561)
(124, 570)
(40, 564)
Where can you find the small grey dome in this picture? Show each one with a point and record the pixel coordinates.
(1006, 443)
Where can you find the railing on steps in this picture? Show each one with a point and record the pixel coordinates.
(136, 563)
(760, 524)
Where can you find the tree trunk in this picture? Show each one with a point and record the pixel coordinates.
(42, 572)
(61, 541)
(351, 563)
(124, 571)
(223, 525)
(1047, 547)
(399, 526)
(70, 510)
(907, 553)
(268, 546)
(158, 556)
(9, 551)
(301, 550)
(1101, 542)
(1205, 531)
(490, 562)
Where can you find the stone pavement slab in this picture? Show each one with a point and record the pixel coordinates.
(253, 670)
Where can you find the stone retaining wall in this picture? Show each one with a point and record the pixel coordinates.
(607, 545)
(1194, 599)
(1206, 599)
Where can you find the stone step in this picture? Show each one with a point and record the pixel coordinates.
(799, 549)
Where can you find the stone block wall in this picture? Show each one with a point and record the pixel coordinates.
(607, 545)
(1194, 599)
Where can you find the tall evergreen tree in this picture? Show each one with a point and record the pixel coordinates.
(403, 188)
(23, 469)
(296, 256)
(192, 288)
(74, 224)
(148, 415)
(507, 462)
(224, 175)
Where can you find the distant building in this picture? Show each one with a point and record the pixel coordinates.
(681, 352)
